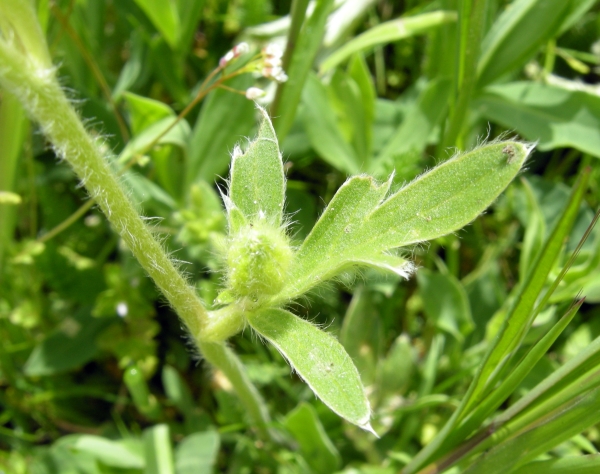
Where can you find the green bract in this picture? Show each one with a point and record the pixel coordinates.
(363, 225)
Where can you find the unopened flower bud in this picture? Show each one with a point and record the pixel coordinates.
(253, 93)
(225, 59)
(240, 49)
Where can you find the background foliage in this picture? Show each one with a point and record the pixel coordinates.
(96, 373)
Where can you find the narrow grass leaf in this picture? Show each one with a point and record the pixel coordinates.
(257, 182)
(320, 360)
(558, 426)
(388, 32)
(309, 42)
(568, 465)
(517, 35)
(516, 376)
(521, 314)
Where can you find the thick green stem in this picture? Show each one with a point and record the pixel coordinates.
(219, 355)
(35, 84)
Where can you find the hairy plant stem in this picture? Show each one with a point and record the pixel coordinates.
(27, 72)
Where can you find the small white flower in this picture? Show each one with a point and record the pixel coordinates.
(225, 59)
(240, 49)
(253, 93)
(273, 50)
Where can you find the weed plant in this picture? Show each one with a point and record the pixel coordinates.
(225, 245)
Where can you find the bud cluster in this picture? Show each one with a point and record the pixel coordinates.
(258, 258)
(267, 64)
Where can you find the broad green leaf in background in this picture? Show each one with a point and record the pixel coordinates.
(554, 116)
(322, 128)
(256, 180)
(190, 12)
(319, 359)
(387, 33)
(144, 112)
(124, 454)
(164, 17)
(411, 136)
(523, 27)
(445, 302)
(197, 453)
(179, 136)
(361, 334)
(315, 445)
(225, 119)
(309, 42)
(70, 346)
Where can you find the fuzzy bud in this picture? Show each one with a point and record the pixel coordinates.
(258, 259)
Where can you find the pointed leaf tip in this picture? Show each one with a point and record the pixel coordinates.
(320, 360)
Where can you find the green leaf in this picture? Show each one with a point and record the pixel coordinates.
(224, 120)
(387, 33)
(560, 425)
(554, 116)
(518, 34)
(178, 135)
(521, 313)
(164, 17)
(256, 181)
(197, 453)
(124, 454)
(445, 302)
(361, 334)
(315, 445)
(320, 124)
(144, 111)
(68, 347)
(320, 360)
(309, 42)
(535, 233)
(567, 465)
(328, 247)
(158, 450)
(445, 199)
(411, 136)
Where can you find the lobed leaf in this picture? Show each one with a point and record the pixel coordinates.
(358, 226)
(320, 360)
